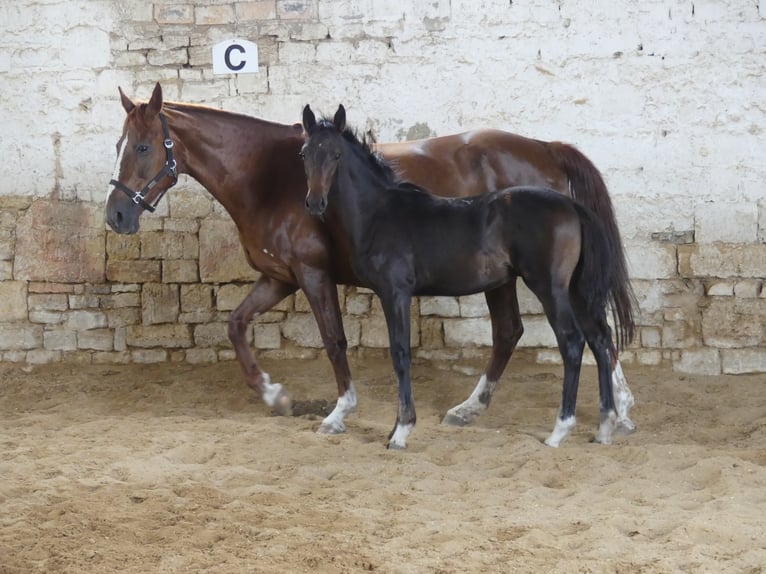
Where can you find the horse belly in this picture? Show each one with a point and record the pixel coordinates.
(456, 275)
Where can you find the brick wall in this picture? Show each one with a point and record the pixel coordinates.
(666, 97)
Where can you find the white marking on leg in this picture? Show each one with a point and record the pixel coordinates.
(560, 431)
(271, 391)
(623, 398)
(606, 428)
(472, 407)
(333, 423)
(398, 439)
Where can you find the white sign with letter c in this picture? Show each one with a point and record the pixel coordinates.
(235, 57)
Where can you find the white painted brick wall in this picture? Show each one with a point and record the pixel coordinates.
(665, 96)
(668, 103)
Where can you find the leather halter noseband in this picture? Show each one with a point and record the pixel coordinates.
(170, 168)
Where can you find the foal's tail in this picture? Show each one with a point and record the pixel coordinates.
(588, 187)
(597, 280)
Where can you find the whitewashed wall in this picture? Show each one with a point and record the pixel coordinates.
(668, 98)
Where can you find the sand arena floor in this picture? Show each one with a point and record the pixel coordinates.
(178, 468)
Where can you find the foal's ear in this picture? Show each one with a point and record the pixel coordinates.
(309, 119)
(154, 106)
(127, 103)
(340, 118)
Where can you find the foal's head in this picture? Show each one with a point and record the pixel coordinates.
(321, 155)
(146, 166)
(330, 144)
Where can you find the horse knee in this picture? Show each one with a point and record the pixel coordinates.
(237, 327)
(336, 348)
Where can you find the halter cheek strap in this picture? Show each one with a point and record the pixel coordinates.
(169, 169)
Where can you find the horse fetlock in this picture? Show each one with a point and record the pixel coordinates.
(277, 397)
(333, 423)
(463, 415)
(560, 431)
(606, 428)
(625, 426)
(398, 438)
(475, 405)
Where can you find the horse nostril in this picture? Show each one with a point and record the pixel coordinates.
(119, 217)
(308, 206)
(323, 204)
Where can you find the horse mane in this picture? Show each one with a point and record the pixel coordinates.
(381, 168)
(201, 109)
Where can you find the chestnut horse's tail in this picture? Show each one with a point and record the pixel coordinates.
(588, 187)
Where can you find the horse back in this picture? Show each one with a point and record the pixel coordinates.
(474, 162)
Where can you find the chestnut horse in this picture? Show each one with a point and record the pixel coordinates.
(406, 242)
(251, 166)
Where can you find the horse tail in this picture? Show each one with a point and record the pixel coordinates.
(587, 186)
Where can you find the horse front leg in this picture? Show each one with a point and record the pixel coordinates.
(397, 310)
(322, 294)
(507, 329)
(266, 293)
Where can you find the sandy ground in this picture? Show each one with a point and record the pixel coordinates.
(178, 468)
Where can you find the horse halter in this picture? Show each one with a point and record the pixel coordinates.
(170, 168)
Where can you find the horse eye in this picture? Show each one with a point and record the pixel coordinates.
(301, 155)
(142, 148)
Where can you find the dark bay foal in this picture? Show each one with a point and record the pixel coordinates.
(405, 242)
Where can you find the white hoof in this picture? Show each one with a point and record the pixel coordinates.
(398, 438)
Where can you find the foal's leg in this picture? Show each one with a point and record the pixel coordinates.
(599, 339)
(396, 307)
(506, 331)
(322, 294)
(266, 293)
(571, 344)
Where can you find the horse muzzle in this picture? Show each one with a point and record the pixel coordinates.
(316, 206)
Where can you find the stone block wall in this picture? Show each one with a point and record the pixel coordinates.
(666, 97)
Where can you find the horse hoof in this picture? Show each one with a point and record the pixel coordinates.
(625, 427)
(602, 440)
(329, 429)
(283, 404)
(551, 442)
(454, 420)
(396, 446)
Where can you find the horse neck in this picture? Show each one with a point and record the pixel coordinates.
(227, 153)
(360, 195)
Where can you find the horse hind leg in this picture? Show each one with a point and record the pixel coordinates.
(599, 339)
(506, 331)
(571, 343)
(623, 397)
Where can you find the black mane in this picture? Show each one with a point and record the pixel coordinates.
(380, 167)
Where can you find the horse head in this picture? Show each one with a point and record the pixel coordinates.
(146, 166)
(321, 155)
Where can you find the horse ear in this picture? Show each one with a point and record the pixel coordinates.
(309, 119)
(127, 103)
(155, 102)
(340, 118)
